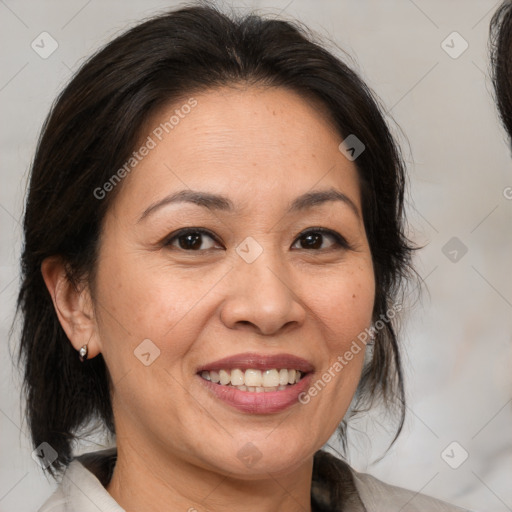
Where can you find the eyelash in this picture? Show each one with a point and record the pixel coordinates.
(339, 240)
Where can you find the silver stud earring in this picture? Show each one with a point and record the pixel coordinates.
(82, 353)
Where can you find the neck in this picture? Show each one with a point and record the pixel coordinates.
(146, 481)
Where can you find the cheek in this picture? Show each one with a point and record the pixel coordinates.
(136, 302)
(139, 300)
(344, 303)
(345, 308)
(144, 327)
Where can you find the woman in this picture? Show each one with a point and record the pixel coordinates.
(214, 233)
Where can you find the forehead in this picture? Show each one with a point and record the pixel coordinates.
(252, 144)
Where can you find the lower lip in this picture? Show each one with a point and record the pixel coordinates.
(265, 402)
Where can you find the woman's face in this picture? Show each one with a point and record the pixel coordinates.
(244, 272)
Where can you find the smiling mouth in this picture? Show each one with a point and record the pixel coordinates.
(254, 380)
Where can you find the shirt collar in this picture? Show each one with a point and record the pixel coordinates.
(332, 489)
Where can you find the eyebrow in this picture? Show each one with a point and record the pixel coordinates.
(222, 203)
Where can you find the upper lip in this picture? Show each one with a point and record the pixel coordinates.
(259, 362)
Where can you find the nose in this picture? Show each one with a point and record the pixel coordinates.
(261, 297)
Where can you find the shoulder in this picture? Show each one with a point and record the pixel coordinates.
(377, 495)
(336, 486)
(80, 490)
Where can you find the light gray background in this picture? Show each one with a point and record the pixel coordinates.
(457, 341)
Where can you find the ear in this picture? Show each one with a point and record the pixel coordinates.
(73, 306)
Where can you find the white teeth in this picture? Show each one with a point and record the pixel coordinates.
(225, 377)
(237, 377)
(252, 380)
(270, 378)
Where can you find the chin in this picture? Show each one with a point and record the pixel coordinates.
(253, 459)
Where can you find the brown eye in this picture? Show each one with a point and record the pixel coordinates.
(315, 239)
(191, 240)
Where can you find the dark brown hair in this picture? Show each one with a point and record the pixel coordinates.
(91, 131)
(501, 61)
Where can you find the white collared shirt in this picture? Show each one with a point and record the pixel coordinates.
(81, 491)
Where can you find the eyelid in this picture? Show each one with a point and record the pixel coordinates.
(340, 241)
(175, 234)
